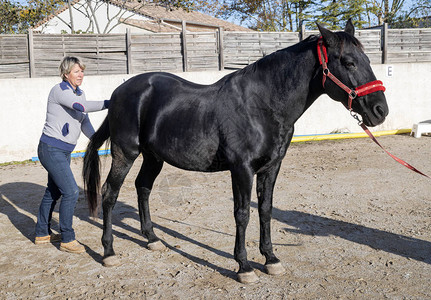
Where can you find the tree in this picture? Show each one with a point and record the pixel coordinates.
(357, 11)
(17, 18)
(214, 8)
(387, 13)
(269, 15)
(36, 10)
(335, 13)
(10, 17)
(421, 9)
(332, 12)
(302, 10)
(418, 15)
(184, 4)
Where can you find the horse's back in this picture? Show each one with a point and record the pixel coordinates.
(169, 117)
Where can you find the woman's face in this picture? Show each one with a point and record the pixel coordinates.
(75, 76)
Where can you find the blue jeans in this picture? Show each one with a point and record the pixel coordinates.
(60, 183)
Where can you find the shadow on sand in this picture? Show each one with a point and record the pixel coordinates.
(20, 201)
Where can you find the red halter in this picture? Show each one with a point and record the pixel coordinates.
(362, 90)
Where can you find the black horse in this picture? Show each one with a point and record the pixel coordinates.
(243, 123)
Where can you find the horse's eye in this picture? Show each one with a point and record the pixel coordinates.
(350, 65)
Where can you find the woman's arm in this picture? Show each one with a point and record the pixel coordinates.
(76, 100)
(87, 127)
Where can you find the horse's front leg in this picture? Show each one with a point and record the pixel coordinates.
(265, 187)
(242, 181)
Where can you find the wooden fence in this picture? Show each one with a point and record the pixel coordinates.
(39, 55)
(409, 45)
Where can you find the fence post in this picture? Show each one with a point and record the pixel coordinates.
(128, 52)
(31, 67)
(385, 43)
(302, 33)
(220, 49)
(184, 45)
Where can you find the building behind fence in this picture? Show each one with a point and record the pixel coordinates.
(39, 55)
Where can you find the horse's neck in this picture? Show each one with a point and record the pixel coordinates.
(296, 79)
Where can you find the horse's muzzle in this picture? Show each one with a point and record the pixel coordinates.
(375, 115)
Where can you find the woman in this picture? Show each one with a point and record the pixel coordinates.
(66, 117)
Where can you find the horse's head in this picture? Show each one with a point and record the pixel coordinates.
(347, 62)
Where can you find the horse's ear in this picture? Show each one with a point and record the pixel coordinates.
(329, 37)
(349, 27)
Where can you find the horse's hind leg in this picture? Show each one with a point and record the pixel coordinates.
(120, 166)
(150, 169)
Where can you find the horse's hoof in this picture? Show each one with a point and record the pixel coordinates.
(275, 269)
(249, 277)
(111, 261)
(156, 246)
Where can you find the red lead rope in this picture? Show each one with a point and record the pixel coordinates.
(399, 160)
(362, 90)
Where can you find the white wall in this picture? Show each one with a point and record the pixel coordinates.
(23, 106)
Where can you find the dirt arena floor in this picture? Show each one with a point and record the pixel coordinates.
(348, 223)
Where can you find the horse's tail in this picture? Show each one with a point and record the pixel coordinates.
(90, 172)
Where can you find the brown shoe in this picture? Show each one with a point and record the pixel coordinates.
(52, 238)
(72, 247)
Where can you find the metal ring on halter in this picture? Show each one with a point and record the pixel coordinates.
(353, 94)
(326, 71)
(355, 116)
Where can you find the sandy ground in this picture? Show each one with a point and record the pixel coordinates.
(348, 223)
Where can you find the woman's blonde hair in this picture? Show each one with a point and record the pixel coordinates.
(67, 65)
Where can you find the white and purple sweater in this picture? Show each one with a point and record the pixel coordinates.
(66, 116)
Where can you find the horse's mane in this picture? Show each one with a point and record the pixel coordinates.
(275, 55)
(344, 38)
(312, 37)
